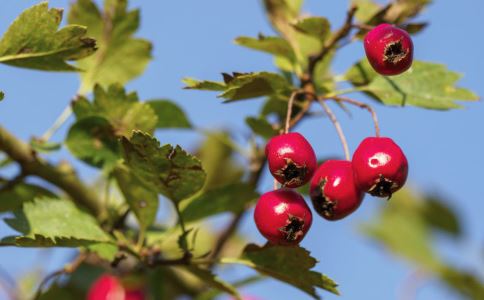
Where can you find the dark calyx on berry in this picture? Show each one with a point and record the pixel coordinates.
(383, 187)
(293, 173)
(322, 204)
(293, 229)
(394, 52)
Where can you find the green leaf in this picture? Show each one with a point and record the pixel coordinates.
(48, 222)
(441, 217)
(172, 171)
(467, 284)
(211, 279)
(93, 141)
(317, 27)
(213, 294)
(170, 115)
(291, 265)
(121, 57)
(366, 10)
(253, 85)
(141, 199)
(1, 95)
(14, 197)
(34, 41)
(105, 251)
(217, 154)
(261, 126)
(123, 110)
(402, 229)
(204, 85)
(274, 45)
(425, 85)
(230, 198)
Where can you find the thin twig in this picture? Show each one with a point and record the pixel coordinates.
(181, 222)
(14, 181)
(333, 41)
(67, 269)
(337, 126)
(364, 106)
(289, 111)
(61, 119)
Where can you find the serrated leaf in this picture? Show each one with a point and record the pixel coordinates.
(204, 85)
(14, 197)
(121, 57)
(425, 85)
(170, 115)
(253, 85)
(123, 110)
(171, 170)
(47, 222)
(317, 27)
(230, 198)
(141, 199)
(211, 279)
(261, 126)
(34, 41)
(93, 140)
(270, 44)
(291, 265)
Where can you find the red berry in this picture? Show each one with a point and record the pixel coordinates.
(283, 217)
(333, 190)
(108, 287)
(291, 159)
(389, 49)
(380, 166)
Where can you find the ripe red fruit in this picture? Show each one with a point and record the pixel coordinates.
(108, 287)
(389, 49)
(380, 167)
(291, 159)
(283, 217)
(333, 190)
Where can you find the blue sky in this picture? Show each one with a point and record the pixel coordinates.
(194, 38)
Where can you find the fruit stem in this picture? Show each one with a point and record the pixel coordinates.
(61, 119)
(337, 126)
(290, 104)
(361, 105)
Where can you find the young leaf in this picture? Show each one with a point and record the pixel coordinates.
(291, 265)
(34, 41)
(170, 115)
(172, 171)
(14, 197)
(261, 126)
(271, 44)
(317, 27)
(230, 198)
(211, 279)
(253, 85)
(120, 57)
(48, 222)
(141, 199)
(93, 141)
(425, 85)
(123, 111)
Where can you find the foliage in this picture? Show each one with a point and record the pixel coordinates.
(116, 133)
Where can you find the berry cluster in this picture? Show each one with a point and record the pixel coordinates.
(378, 167)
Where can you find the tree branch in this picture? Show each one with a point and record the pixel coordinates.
(59, 176)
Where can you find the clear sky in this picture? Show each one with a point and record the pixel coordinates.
(194, 38)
